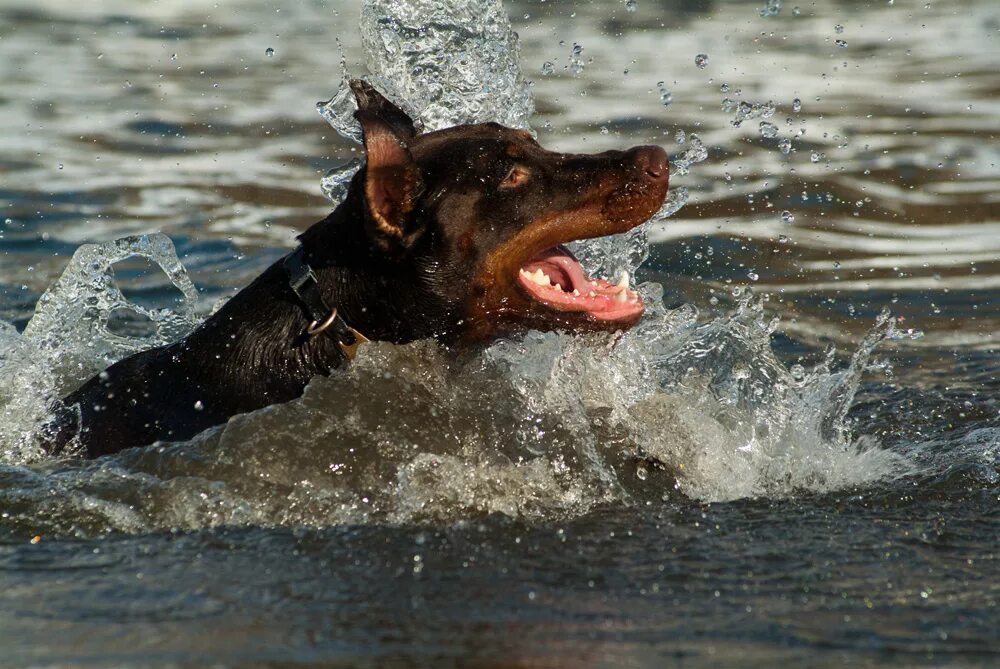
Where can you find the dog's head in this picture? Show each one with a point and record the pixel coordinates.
(482, 211)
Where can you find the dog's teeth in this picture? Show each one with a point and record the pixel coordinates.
(623, 282)
(576, 293)
(621, 297)
(538, 277)
(592, 294)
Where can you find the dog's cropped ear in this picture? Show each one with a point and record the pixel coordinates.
(391, 177)
(370, 100)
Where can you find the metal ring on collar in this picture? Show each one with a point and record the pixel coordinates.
(316, 327)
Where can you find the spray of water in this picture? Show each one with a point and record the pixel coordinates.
(542, 427)
(70, 337)
(445, 64)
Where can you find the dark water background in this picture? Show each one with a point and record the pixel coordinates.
(121, 118)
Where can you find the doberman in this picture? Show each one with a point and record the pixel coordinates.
(454, 234)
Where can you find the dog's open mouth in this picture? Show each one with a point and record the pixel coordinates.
(556, 279)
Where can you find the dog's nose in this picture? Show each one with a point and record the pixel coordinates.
(652, 160)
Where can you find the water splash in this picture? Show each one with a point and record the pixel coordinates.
(70, 336)
(77, 308)
(540, 428)
(445, 64)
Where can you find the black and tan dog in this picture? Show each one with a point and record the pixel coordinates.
(452, 234)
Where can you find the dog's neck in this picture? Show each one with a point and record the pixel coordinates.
(381, 297)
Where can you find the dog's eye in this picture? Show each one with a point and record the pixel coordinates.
(517, 176)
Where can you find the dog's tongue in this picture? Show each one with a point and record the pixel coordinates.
(562, 268)
(555, 278)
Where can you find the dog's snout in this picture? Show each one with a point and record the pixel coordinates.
(652, 160)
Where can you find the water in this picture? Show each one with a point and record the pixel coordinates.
(769, 468)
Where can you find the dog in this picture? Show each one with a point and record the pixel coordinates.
(455, 234)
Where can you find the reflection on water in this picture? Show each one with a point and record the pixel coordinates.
(572, 493)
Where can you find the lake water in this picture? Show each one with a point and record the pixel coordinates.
(832, 489)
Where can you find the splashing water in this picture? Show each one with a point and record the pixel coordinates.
(70, 336)
(445, 64)
(549, 426)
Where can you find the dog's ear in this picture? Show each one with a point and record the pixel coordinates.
(370, 100)
(391, 177)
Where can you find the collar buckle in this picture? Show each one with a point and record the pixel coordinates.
(351, 350)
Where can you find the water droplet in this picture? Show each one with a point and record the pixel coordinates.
(575, 62)
(836, 264)
(198, 406)
(787, 217)
(752, 275)
(785, 146)
(839, 28)
(680, 137)
(768, 130)
(796, 105)
(796, 11)
(728, 105)
(268, 52)
(631, 5)
(666, 97)
(841, 43)
(548, 68)
(815, 156)
(336, 181)
(771, 8)
(701, 60)
(797, 371)
(783, 239)
(604, 130)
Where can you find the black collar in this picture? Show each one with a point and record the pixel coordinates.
(303, 282)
